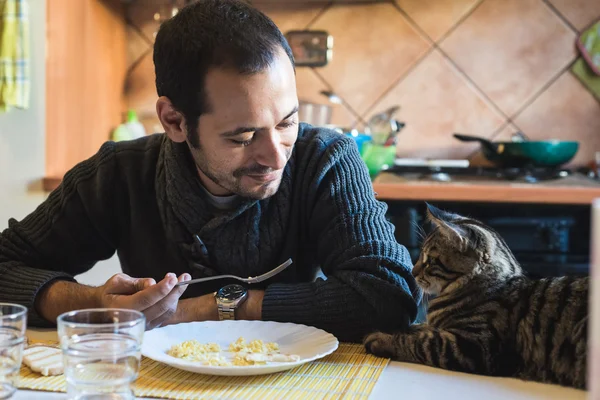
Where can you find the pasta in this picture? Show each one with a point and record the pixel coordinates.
(255, 352)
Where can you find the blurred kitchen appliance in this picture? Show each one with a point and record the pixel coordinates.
(547, 240)
(314, 113)
(461, 171)
(310, 48)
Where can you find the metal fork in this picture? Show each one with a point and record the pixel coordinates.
(250, 279)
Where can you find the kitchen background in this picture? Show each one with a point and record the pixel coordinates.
(481, 67)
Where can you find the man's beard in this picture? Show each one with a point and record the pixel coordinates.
(234, 185)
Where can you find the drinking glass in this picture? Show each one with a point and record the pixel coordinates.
(13, 322)
(101, 351)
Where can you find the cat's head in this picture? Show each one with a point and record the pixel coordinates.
(459, 249)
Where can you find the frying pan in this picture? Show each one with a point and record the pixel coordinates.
(538, 153)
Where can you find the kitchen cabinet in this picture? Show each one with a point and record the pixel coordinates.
(85, 75)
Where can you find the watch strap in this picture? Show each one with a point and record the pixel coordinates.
(225, 313)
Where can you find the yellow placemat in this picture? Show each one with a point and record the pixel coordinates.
(348, 373)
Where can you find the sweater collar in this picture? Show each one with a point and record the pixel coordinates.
(187, 197)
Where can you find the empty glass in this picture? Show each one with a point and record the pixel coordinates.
(13, 322)
(101, 351)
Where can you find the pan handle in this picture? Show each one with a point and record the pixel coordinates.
(484, 142)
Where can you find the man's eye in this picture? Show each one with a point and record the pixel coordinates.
(242, 142)
(287, 124)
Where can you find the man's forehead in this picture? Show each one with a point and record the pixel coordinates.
(233, 98)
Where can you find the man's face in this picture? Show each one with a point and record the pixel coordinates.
(247, 136)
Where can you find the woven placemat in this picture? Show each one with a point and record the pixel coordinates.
(347, 373)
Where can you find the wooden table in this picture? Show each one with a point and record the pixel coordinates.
(409, 381)
(575, 189)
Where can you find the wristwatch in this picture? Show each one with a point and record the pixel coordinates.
(228, 299)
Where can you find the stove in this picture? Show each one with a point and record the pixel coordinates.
(447, 173)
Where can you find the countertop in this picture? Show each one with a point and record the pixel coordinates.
(574, 189)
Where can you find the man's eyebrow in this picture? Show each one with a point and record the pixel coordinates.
(294, 111)
(244, 129)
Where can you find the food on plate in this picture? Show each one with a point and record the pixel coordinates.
(46, 360)
(255, 352)
(255, 346)
(192, 350)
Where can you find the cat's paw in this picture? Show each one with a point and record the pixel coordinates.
(380, 344)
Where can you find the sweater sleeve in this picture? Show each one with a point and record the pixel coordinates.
(368, 285)
(64, 236)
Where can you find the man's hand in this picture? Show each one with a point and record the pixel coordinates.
(158, 301)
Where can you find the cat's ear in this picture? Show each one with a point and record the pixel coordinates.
(446, 223)
(441, 215)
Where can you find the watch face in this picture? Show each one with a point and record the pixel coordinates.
(232, 292)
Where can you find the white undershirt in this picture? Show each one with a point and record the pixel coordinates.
(222, 202)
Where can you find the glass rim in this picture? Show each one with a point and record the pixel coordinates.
(140, 318)
(22, 310)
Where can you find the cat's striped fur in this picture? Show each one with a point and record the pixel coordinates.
(487, 317)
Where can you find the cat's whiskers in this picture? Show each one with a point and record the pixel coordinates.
(419, 230)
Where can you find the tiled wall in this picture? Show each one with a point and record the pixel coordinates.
(483, 67)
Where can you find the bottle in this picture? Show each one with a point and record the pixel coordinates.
(132, 129)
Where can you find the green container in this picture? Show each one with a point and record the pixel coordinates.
(378, 157)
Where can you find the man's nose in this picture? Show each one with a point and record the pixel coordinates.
(270, 152)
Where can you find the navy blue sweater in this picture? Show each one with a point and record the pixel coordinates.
(143, 200)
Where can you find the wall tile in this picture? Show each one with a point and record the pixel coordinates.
(511, 49)
(309, 87)
(565, 111)
(136, 45)
(436, 17)
(436, 101)
(290, 16)
(373, 47)
(580, 13)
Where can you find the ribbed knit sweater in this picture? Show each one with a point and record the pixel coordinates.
(143, 199)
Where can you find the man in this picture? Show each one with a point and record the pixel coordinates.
(236, 185)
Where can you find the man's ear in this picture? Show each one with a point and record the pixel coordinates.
(172, 120)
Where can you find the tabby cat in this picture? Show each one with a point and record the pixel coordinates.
(486, 316)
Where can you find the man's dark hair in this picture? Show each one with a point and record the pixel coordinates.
(208, 34)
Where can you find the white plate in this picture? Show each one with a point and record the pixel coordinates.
(308, 342)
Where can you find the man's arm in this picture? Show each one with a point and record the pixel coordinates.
(60, 296)
(204, 308)
(369, 284)
(60, 238)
